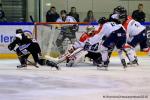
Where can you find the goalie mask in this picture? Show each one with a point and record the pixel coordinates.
(90, 30)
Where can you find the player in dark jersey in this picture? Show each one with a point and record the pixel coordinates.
(27, 46)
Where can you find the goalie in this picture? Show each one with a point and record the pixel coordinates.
(67, 31)
(96, 57)
(27, 46)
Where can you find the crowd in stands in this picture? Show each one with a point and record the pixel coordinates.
(52, 15)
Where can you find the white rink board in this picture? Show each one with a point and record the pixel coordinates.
(7, 33)
(82, 82)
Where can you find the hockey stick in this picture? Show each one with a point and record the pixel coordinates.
(31, 18)
(58, 61)
(126, 54)
(28, 60)
(129, 57)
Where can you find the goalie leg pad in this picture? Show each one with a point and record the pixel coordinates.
(104, 52)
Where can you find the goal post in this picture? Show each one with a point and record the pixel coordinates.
(55, 37)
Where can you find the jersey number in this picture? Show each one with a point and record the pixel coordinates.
(94, 47)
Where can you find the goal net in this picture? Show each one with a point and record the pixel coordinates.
(55, 38)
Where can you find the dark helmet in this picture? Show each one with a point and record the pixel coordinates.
(121, 11)
(102, 20)
(63, 12)
(19, 31)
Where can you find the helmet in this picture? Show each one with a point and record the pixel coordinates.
(19, 31)
(114, 18)
(121, 11)
(102, 20)
(90, 29)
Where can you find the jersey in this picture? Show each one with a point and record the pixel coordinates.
(81, 41)
(106, 30)
(133, 27)
(68, 19)
(20, 39)
(84, 37)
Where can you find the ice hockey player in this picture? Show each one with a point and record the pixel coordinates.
(136, 34)
(27, 46)
(67, 30)
(113, 34)
(96, 57)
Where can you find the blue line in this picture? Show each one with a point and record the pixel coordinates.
(30, 23)
(16, 23)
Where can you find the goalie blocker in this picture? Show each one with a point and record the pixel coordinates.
(27, 46)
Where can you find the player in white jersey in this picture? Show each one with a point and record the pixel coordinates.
(114, 34)
(67, 31)
(136, 34)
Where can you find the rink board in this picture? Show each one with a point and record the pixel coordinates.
(8, 32)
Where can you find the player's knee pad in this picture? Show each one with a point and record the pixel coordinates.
(131, 53)
(103, 49)
(104, 52)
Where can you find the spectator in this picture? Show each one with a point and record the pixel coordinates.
(52, 15)
(2, 15)
(139, 15)
(90, 17)
(74, 14)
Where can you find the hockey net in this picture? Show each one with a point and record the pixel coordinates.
(55, 38)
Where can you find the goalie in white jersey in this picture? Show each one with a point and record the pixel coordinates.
(113, 34)
(67, 30)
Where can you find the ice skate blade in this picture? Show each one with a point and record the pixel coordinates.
(102, 68)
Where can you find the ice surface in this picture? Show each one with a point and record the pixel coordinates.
(83, 82)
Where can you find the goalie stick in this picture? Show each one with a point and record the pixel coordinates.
(58, 61)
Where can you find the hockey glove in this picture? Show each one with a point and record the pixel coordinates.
(11, 47)
(87, 46)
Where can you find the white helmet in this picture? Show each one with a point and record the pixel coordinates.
(90, 29)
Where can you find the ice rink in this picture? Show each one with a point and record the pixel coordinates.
(83, 82)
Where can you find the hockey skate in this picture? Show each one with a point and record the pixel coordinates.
(103, 65)
(52, 64)
(22, 66)
(134, 62)
(124, 63)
